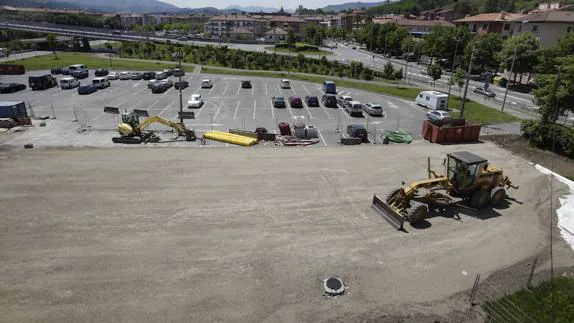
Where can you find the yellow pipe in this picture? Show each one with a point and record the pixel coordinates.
(230, 138)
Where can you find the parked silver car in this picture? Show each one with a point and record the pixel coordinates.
(373, 109)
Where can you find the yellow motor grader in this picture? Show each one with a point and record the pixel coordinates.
(469, 181)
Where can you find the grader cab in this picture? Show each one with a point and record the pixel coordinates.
(469, 180)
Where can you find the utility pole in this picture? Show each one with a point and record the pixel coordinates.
(467, 81)
(452, 70)
(179, 56)
(508, 83)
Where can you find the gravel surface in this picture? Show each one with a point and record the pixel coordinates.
(245, 235)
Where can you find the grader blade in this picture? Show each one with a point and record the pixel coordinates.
(388, 213)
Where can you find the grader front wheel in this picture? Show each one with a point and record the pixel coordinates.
(480, 199)
(417, 213)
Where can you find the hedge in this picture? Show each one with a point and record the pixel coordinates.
(549, 136)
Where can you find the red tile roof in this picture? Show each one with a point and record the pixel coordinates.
(492, 17)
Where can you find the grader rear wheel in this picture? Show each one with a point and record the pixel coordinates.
(417, 213)
(497, 195)
(480, 199)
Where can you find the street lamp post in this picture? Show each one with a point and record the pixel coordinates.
(452, 70)
(179, 56)
(467, 81)
(508, 83)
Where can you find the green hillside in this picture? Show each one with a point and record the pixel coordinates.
(460, 6)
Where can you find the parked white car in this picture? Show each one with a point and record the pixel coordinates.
(113, 76)
(206, 84)
(373, 109)
(101, 82)
(285, 84)
(437, 115)
(195, 101)
(69, 83)
(125, 76)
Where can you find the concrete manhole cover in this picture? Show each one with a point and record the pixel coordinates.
(333, 286)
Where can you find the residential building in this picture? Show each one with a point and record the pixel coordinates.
(130, 20)
(241, 33)
(221, 25)
(333, 21)
(170, 19)
(275, 35)
(439, 14)
(548, 26)
(495, 22)
(416, 27)
(555, 6)
(353, 20)
(151, 20)
(298, 25)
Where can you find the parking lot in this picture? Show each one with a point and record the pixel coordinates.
(226, 106)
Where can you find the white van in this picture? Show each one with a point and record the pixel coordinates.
(432, 100)
(69, 83)
(101, 82)
(354, 107)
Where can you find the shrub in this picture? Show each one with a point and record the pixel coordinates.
(549, 136)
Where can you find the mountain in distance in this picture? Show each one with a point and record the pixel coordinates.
(354, 5)
(249, 9)
(204, 10)
(113, 6)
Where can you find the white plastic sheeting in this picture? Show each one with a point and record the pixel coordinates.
(565, 212)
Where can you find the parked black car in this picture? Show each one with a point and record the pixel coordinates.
(56, 71)
(101, 72)
(11, 87)
(159, 88)
(357, 131)
(178, 72)
(148, 76)
(245, 84)
(278, 102)
(184, 84)
(87, 89)
(80, 74)
(312, 101)
(42, 82)
(329, 100)
(65, 71)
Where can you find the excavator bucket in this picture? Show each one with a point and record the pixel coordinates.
(388, 213)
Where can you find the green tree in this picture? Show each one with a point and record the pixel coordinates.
(398, 75)
(389, 71)
(51, 39)
(109, 47)
(291, 37)
(458, 79)
(527, 53)
(555, 92)
(486, 50)
(396, 37)
(300, 60)
(435, 72)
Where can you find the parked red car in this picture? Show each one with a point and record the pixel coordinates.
(295, 102)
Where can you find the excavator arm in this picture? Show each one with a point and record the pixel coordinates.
(144, 124)
(181, 130)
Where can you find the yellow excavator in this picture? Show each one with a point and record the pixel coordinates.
(133, 132)
(469, 181)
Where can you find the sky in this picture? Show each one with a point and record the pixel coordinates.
(287, 4)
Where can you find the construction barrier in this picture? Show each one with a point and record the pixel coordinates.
(230, 138)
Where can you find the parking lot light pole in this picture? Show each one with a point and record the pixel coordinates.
(509, 76)
(179, 56)
(452, 70)
(467, 81)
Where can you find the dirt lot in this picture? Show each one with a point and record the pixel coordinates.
(242, 235)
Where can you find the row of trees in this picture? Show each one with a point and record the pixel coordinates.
(74, 19)
(460, 7)
(235, 58)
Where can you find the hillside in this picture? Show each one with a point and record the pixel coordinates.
(353, 5)
(460, 6)
(120, 6)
